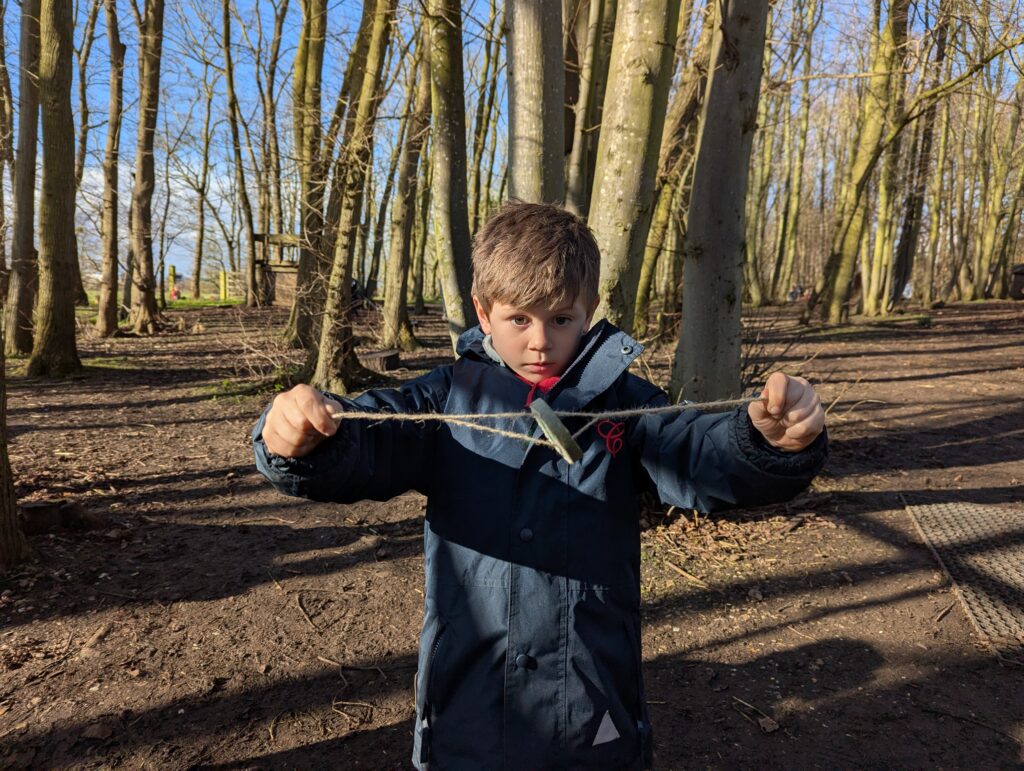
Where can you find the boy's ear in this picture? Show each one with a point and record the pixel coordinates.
(590, 312)
(481, 314)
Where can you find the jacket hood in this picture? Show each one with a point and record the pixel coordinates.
(605, 352)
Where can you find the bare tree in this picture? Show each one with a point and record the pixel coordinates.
(639, 76)
(707, 359)
(448, 160)
(307, 77)
(24, 276)
(337, 368)
(106, 317)
(6, 147)
(150, 22)
(536, 101)
(398, 331)
(253, 289)
(53, 352)
(12, 543)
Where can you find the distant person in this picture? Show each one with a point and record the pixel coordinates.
(530, 653)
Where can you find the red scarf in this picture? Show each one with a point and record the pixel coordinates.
(543, 386)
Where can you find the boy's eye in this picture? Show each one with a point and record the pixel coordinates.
(561, 321)
(520, 321)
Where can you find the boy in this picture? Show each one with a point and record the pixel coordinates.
(530, 648)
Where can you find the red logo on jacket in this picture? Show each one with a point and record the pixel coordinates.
(612, 434)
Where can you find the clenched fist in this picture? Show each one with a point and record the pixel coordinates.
(298, 421)
(789, 414)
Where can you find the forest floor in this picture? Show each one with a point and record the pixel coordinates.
(180, 614)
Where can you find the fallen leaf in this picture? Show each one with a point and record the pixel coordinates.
(768, 725)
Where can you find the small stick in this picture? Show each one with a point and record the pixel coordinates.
(366, 669)
(793, 629)
(943, 613)
(305, 615)
(688, 576)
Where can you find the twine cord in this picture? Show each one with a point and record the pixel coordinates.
(474, 420)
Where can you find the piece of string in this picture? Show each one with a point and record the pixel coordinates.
(473, 420)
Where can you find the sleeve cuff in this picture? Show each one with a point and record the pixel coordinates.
(760, 453)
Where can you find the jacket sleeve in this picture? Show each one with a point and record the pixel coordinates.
(716, 461)
(365, 459)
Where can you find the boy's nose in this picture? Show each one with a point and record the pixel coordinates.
(540, 340)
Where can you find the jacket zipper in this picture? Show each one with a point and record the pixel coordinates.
(425, 729)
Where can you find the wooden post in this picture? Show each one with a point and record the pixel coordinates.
(223, 285)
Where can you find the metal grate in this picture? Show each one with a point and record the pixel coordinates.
(981, 548)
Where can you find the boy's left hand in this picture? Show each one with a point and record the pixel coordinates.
(789, 414)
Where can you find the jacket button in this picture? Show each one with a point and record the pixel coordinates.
(526, 535)
(526, 662)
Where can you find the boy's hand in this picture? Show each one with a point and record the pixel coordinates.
(789, 414)
(298, 421)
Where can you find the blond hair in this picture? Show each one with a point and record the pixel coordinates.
(532, 254)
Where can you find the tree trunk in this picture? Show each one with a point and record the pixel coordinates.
(253, 288)
(483, 123)
(577, 187)
(144, 315)
(307, 79)
(6, 153)
(639, 76)
(707, 357)
(24, 276)
(448, 158)
(13, 547)
(421, 239)
(397, 328)
(106, 317)
(385, 198)
(785, 259)
(913, 204)
(337, 368)
(202, 186)
(536, 101)
(54, 353)
(675, 161)
(834, 286)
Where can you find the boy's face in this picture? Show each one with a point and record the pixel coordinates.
(536, 342)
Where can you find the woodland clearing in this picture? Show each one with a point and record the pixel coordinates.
(187, 616)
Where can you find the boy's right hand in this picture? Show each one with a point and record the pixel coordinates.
(298, 421)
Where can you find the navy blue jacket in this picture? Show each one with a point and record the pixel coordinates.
(530, 649)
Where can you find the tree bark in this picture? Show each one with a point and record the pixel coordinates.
(397, 328)
(577, 188)
(707, 357)
(675, 162)
(640, 73)
(448, 158)
(536, 101)
(337, 368)
(13, 547)
(253, 288)
(144, 316)
(6, 152)
(54, 353)
(24, 276)
(913, 205)
(202, 186)
(307, 78)
(106, 317)
(483, 122)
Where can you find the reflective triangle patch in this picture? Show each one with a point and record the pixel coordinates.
(606, 732)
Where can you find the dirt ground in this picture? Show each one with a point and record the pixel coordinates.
(181, 614)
